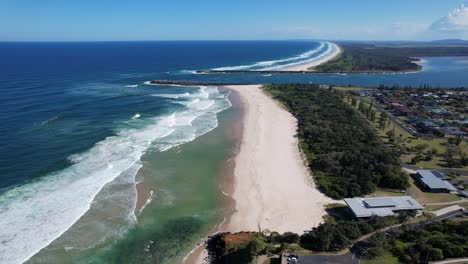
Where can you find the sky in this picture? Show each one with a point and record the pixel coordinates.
(112, 20)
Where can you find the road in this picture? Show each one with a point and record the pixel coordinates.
(460, 260)
(444, 170)
(347, 258)
(393, 119)
(352, 255)
(463, 200)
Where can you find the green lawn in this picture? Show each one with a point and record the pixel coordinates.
(418, 194)
(383, 192)
(407, 140)
(386, 258)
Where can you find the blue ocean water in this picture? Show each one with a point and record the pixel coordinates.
(77, 115)
(55, 94)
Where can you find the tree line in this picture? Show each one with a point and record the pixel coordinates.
(359, 57)
(436, 241)
(330, 236)
(346, 156)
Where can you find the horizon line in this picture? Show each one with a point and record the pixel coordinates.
(220, 40)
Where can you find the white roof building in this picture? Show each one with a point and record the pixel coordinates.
(433, 180)
(381, 206)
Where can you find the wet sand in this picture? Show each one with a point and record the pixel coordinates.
(336, 51)
(272, 187)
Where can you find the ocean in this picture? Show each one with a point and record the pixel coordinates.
(82, 130)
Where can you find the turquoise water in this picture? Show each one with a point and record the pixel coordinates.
(185, 188)
(80, 127)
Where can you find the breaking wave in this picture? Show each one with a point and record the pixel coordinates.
(323, 49)
(39, 212)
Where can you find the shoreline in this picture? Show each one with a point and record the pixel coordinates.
(225, 182)
(297, 208)
(273, 188)
(306, 67)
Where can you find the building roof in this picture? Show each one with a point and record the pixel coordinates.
(433, 179)
(383, 202)
(381, 206)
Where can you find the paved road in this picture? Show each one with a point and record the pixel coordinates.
(411, 132)
(352, 255)
(392, 117)
(444, 170)
(448, 209)
(347, 258)
(463, 200)
(460, 260)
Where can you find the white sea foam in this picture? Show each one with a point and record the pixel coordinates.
(136, 116)
(273, 64)
(202, 92)
(188, 72)
(173, 96)
(49, 120)
(329, 49)
(131, 85)
(148, 201)
(39, 212)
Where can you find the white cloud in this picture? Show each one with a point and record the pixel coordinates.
(455, 21)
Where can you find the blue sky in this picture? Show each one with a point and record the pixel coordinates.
(89, 20)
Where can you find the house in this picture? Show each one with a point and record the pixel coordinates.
(381, 206)
(453, 130)
(463, 193)
(433, 181)
(402, 110)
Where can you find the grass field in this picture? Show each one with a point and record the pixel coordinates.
(386, 258)
(383, 192)
(405, 140)
(418, 194)
(427, 197)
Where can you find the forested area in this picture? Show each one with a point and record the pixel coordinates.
(342, 150)
(356, 58)
(421, 51)
(436, 241)
(336, 235)
(370, 58)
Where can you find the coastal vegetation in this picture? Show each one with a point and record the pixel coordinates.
(433, 242)
(391, 239)
(358, 57)
(343, 151)
(331, 236)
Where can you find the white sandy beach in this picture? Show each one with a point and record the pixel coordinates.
(272, 187)
(335, 52)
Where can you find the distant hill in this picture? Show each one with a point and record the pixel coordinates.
(450, 42)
